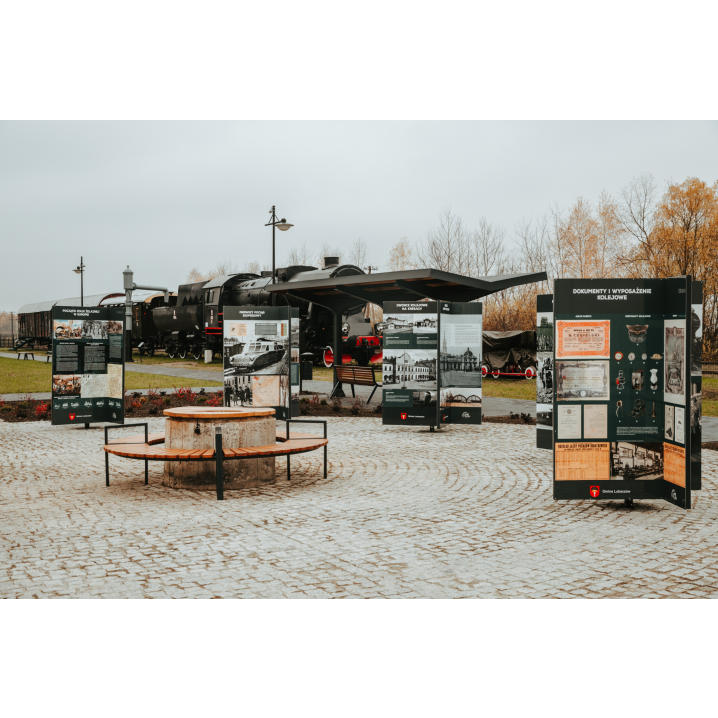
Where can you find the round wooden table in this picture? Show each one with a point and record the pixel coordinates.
(192, 427)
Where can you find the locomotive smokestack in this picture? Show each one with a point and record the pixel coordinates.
(331, 262)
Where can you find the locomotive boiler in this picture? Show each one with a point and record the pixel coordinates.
(195, 323)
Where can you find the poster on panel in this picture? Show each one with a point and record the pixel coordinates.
(88, 365)
(256, 355)
(624, 413)
(460, 360)
(409, 365)
(544, 371)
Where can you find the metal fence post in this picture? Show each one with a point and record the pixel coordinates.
(218, 457)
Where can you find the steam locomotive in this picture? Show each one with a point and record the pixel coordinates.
(194, 324)
(191, 322)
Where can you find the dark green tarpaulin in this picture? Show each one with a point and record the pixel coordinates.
(501, 348)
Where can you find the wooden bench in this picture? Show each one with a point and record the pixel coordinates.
(25, 355)
(149, 448)
(355, 375)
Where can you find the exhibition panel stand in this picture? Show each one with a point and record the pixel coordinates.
(432, 363)
(258, 344)
(88, 367)
(626, 381)
(544, 371)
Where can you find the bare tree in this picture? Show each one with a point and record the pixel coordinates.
(636, 216)
(298, 256)
(194, 275)
(446, 247)
(401, 256)
(252, 267)
(358, 253)
(486, 249)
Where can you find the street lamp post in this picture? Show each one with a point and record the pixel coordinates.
(81, 271)
(283, 225)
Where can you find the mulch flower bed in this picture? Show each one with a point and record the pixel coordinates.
(136, 405)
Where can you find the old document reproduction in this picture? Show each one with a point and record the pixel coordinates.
(583, 339)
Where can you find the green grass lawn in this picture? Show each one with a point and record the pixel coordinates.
(509, 388)
(28, 377)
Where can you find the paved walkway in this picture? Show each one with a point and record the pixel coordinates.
(465, 512)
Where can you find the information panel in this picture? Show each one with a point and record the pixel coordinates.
(432, 351)
(544, 371)
(624, 386)
(88, 365)
(257, 357)
(460, 359)
(409, 370)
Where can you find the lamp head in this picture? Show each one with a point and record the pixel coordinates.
(77, 271)
(283, 225)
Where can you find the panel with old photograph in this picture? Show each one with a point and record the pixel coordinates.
(460, 350)
(67, 328)
(270, 390)
(465, 397)
(238, 390)
(675, 357)
(631, 461)
(544, 332)
(406, 323)
(544, 415)
(424, 398)
(544, 378)
(696, 421)
(579, 380)
(409, 369)
(66, 385)
(94, 329)
(696, 339)
(256, 347)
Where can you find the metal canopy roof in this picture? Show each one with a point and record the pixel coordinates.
(93, 300)
(340, 293)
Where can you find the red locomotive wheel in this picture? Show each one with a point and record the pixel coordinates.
(530, 372)
(495, 373)
(328, 357)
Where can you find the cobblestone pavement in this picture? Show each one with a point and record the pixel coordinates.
(466, 512)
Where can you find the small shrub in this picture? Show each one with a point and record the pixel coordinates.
(163, 393)
(136, 404)
(377, 409)
(304, 400)
(153, 409)
(185, 393)
(136, 395)
(336, 404)
(167, 401)
(41, 410)
(304, 409)
(323, 402)
(202, 391)
(314, 401)
(214, 400)
(6, 407)
(357, 406)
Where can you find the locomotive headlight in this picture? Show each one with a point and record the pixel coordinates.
(345, 328)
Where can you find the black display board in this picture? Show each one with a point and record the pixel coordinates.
(432, 363)
(88, 365)
(257, 357)
(460, 359)
(626, 388)
(544, 371)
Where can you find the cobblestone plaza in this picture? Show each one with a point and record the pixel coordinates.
(464, 513)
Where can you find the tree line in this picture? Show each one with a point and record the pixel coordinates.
(641, 233)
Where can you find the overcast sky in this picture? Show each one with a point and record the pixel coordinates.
(164, 197)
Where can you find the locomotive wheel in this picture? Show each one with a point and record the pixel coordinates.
(530, 372)
(197, 353)
(328, 357)
(151, 352)
(141, 351)
(495, 373)
(182, 352)
(485, 370)
(172, 352)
